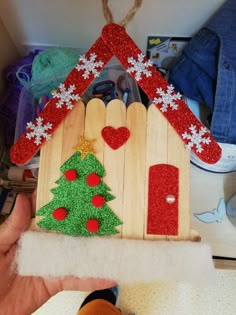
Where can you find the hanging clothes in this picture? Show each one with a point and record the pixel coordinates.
(206, 71)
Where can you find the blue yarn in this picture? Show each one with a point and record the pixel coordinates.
(22, 76)
(50, 68)
(9, 101)
(31, 77)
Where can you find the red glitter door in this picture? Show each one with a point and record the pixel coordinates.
(163, 191)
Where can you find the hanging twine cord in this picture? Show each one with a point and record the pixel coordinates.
(108, 15)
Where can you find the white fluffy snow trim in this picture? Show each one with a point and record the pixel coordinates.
(125, 261)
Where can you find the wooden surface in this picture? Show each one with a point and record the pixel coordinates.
(114, 159)
(164, 146)
(152, 141)
(134, 173)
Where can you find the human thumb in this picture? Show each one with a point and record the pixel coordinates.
(18, 221)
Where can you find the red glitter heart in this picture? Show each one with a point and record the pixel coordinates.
(115, 138)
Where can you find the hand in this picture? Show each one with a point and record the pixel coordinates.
(23, 295)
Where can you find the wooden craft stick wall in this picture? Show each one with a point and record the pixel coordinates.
(152, 141)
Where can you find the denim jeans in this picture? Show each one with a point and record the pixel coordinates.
(206, 71)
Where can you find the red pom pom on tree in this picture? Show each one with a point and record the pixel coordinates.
(93, 179)
(92, 225)
(59, 214)
(70, 175)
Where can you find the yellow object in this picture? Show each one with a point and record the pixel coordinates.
(99, 307)
(85, 147)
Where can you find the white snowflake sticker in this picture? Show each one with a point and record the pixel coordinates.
(196, 138)
(167, 98)
(89, 66)
(139, 67)
(39, 131)
(65, 96)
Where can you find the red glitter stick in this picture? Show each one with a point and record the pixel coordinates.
(189, 128)
(24, 149)
(163, 191)
(115, 41)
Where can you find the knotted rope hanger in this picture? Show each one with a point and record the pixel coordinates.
(109, 17)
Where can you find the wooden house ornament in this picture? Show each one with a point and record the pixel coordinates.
(119, 170)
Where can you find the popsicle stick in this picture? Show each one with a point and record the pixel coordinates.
(94, 122)
(179, 156)
(114, 159)
(72, 131)
(49, 167)
(156, 153)
(134, 172)
(49, 171)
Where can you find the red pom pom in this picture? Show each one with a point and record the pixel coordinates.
(93, 179)
(92, 225)
(70, 175)
(98, 201)
(59, 214)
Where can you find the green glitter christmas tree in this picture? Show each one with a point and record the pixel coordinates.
(79, 205)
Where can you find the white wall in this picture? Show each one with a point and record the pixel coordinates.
(78, 23)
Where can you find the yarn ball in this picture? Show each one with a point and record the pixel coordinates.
(50, 68)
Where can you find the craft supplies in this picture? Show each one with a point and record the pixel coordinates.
(104, 90)
(123, 86)
(43, 100)
(21, 174)
(19, 186)
(14, 76)
(49, 68)
(108, 90)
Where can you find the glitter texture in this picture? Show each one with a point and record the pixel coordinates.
(139, 67)
(162, 214)
(85, 146)
(65, 96)
(196, 138)
(115, 138)
(154, 85)
(167, 98)
(38, 131)
(75, 196)
(89, 66)
(24, 149)
(115, 41)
